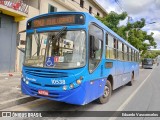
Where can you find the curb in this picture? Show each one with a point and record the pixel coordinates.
(17, 101)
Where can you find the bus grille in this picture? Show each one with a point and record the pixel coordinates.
(46, 74)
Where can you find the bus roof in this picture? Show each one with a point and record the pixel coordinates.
(89, 19)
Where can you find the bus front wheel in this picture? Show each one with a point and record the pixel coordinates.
(107, 93)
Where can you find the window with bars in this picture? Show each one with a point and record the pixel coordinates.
(98, 14)
(51, 8)
(82, 3)
(90, 9)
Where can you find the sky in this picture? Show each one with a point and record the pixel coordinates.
(137, 9)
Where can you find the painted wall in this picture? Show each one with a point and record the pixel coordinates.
(8, 31)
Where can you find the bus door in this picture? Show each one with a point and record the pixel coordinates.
(95, 57)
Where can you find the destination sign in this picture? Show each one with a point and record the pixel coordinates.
(54, 20)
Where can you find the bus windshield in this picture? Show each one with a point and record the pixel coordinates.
(68, 50)
(148, 61)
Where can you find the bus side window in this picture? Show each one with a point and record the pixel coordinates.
(115, 48)
(107, 51)
(120, 50)
(130, 55)
(110, 47)
(95, 46)
(125, 53)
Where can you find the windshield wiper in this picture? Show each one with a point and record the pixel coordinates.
(35, 36)
(38, 41)
(60, 32)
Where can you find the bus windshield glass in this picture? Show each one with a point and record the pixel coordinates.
(148, 62)
(56, 50)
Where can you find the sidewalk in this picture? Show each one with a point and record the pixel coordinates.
(18, 74)
(10, 90)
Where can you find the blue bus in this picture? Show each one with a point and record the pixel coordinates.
(72, 57)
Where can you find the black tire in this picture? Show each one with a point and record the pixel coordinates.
(107, 93)
(130, 83)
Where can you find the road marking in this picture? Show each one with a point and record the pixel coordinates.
(131, 96)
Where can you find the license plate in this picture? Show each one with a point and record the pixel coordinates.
(43, 92)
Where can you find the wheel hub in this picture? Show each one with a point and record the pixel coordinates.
(106, 92)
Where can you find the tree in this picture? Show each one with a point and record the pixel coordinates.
(112, 20)
(151, 54)
(131, 32)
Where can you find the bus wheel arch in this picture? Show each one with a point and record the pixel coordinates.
(110, 79)
(130, 83)
(107, 91)
(132, 75)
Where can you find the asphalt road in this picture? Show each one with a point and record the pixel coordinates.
(144, 95)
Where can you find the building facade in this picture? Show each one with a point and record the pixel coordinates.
(11, 13)
(18, 23)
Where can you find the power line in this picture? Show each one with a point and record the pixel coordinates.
(119, 4)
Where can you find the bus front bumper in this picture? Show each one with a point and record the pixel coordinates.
(74, 96)
(147, 66)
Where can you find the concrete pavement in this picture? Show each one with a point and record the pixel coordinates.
(10, 90)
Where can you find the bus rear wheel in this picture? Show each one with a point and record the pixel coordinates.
(107, 93)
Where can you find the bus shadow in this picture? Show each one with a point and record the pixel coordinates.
(88, 107)
(147, 68)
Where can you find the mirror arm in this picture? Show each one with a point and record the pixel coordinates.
(18, 39)
(21, 49)
(21, 31)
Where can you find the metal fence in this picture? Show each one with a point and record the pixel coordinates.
(18, 5)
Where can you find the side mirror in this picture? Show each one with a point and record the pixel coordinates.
(18, 41)
(21, 49)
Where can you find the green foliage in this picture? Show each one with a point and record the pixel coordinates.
(112, 20)
(151, 54)
(131, 32)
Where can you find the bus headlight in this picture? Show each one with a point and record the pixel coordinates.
(64, 87)
(24, 79)
(71, 86)
(27, 82)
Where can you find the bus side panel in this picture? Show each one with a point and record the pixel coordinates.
(119, 73)
(127, 72)
(94, 89)
(111, 70)
(136, 71)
